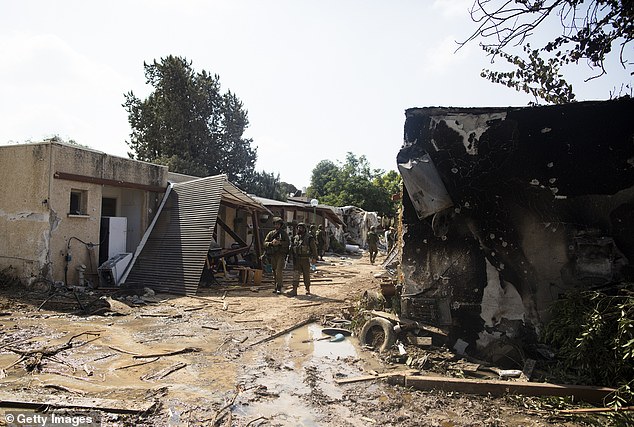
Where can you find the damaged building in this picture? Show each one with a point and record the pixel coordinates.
(78, 216)
(507, 209)
(66, 209)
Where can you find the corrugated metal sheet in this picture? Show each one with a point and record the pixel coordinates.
(173, 256)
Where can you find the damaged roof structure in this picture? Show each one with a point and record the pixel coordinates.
(75, 215)
(173, 252)
(506, 209)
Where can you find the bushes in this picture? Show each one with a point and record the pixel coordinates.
(593, 332)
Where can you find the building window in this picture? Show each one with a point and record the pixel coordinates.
(78, 202)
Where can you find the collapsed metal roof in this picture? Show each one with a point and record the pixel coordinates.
(323, 210)
(173, 251)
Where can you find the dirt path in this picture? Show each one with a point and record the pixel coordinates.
(223, 374)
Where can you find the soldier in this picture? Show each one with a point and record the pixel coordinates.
(372, 244)
(276, 245)
(304, 248)
(321, 242)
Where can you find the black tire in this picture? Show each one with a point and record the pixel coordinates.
(39, 286)
(378, 333)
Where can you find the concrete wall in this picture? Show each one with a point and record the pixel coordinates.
(26, 221)
(35, 205)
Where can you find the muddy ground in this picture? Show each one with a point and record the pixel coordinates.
(221, 374)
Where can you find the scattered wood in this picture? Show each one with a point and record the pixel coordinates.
(170, 353)
(206, 299)
(217, 416)
(200, 307)
(103, 357)
(170, 316)
(247, 321)
(63, 388)
(311, 319)
(374, 377)
(122, 351)
(495, 387)
(34, 357)
(595, 410)
(215, 328)
(137, 364)
(163, 372)
(306, 305)
(14, 398)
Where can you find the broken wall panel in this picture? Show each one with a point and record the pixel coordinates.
(543, 202)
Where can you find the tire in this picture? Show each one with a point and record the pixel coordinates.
(378, 333)
(39, 286)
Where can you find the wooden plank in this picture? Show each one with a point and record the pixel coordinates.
(15, 399)
(311, 319)
(588, 394)
(374, 377)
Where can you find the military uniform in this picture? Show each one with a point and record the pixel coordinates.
(276, 244)
(303, 249)
(373, 239)
(321, 242)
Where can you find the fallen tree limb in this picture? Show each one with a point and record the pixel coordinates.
(311, 319)
(164, 372)
(137, 364)
(122, 351)
(170, 353)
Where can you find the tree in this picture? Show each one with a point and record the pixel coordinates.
(353, 183)
(268, 185)
(590, 31)
(188, 124)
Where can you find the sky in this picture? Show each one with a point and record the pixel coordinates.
(319, 78)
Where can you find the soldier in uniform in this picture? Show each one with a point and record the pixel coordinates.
(373, 240)
(303, 249)
(276, 245)
(321, 242)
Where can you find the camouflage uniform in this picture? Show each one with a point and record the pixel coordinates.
(372, 244)
(276, 245)
(304, 248)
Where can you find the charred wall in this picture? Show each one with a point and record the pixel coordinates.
(541, 202)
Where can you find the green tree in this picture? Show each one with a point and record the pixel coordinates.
(591, 30)
(352, 183)
(265, 184)
(188, 124)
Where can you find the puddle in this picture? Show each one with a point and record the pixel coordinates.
(291, 388)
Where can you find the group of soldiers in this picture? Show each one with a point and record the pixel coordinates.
(304, 247)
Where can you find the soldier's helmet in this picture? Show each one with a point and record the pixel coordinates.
(301, 224)
(277, 219)
(321, 227)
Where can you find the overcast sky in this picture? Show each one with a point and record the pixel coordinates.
(318, 78)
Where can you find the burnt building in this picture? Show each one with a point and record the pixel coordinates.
(507, 209)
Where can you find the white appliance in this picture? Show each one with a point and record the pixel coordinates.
(110, 272)
(113, 235)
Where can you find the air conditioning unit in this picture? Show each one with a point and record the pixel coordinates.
(111, 271)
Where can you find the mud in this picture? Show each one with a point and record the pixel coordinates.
(233, 380)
